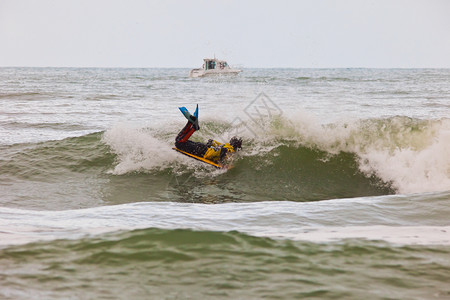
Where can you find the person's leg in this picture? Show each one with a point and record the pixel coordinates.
(182, 141)
(185, 133)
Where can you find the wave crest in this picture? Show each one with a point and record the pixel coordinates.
(409, 154)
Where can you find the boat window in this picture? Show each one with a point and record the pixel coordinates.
(211, 65)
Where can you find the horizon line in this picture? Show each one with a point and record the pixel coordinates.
(293, 68)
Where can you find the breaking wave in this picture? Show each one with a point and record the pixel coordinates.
(408, 155)
(292, 158)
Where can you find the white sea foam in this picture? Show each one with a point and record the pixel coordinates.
(324, 221)
(137, 149)
(413, 170)
(411, 154)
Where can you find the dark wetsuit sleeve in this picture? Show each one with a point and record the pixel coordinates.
(185, 133)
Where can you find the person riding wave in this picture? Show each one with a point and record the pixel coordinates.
(212, 150)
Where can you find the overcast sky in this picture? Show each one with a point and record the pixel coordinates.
(167, 33)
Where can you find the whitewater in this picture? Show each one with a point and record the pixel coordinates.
(341, 189)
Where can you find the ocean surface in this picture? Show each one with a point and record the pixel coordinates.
(341, 190)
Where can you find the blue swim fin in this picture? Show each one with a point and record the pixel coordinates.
(185, 112)
(191, 118)
(196, 112)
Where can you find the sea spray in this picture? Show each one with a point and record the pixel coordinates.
(137, 149)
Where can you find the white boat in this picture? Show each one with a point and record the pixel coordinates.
(213, 66)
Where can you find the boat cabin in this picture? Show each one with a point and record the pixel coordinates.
(211, 64)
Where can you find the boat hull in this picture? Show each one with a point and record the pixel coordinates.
(194, 73)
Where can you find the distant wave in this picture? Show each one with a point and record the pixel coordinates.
(20, 95)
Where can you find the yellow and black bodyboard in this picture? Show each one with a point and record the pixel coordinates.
(219, 166)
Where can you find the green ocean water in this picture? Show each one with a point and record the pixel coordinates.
(184, 264)
(87, 162)
(341, 190)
